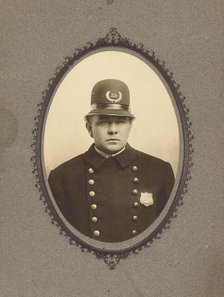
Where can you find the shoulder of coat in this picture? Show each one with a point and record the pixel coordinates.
(76, 162)
(149, 158)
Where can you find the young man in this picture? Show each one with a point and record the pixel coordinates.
(112, 192)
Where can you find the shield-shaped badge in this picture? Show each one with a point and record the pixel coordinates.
(146, 199)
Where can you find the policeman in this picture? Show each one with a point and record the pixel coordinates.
(112, 192)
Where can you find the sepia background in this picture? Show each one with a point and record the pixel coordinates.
(36, 260)
(155, 130)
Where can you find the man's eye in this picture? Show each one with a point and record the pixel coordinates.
(121, 121)
(102, 123)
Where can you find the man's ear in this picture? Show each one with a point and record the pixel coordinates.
(89, 128)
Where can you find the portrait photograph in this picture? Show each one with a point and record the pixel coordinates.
(111, 148)
(112, 140)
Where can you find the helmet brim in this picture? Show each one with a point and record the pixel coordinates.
(110, 112)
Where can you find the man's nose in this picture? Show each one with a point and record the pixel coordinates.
(112, 128)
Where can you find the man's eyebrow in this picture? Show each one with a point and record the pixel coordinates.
(102, 119)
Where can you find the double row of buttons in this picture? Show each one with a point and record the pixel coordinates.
(93, 206)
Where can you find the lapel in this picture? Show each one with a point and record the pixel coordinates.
(125, 158)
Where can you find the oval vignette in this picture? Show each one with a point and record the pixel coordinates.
(157, 129)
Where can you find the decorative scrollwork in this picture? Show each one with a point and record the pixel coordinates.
(112, 39)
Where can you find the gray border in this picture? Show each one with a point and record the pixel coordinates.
(112, 253)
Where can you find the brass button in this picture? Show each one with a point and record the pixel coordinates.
(94, 219)
(93, 206)
(92, 193)
(134, 168)
(133, 232)
(135, 204)
(91, 182)
(135, 180)
(91, 170)
(134, 218)
(96, 232)
(135, 192)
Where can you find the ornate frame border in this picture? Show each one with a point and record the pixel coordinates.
(112, 39)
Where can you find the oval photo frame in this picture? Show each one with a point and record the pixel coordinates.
(156, 102)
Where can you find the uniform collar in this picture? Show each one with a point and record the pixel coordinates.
(125, 158)
(107, 156)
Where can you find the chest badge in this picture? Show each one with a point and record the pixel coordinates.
(146, 199)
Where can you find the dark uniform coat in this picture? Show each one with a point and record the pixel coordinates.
(104, 198)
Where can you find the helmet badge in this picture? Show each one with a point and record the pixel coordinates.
(113, 96)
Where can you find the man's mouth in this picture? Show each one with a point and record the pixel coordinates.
(112, 139)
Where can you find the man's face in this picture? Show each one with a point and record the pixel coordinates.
(110, 133)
